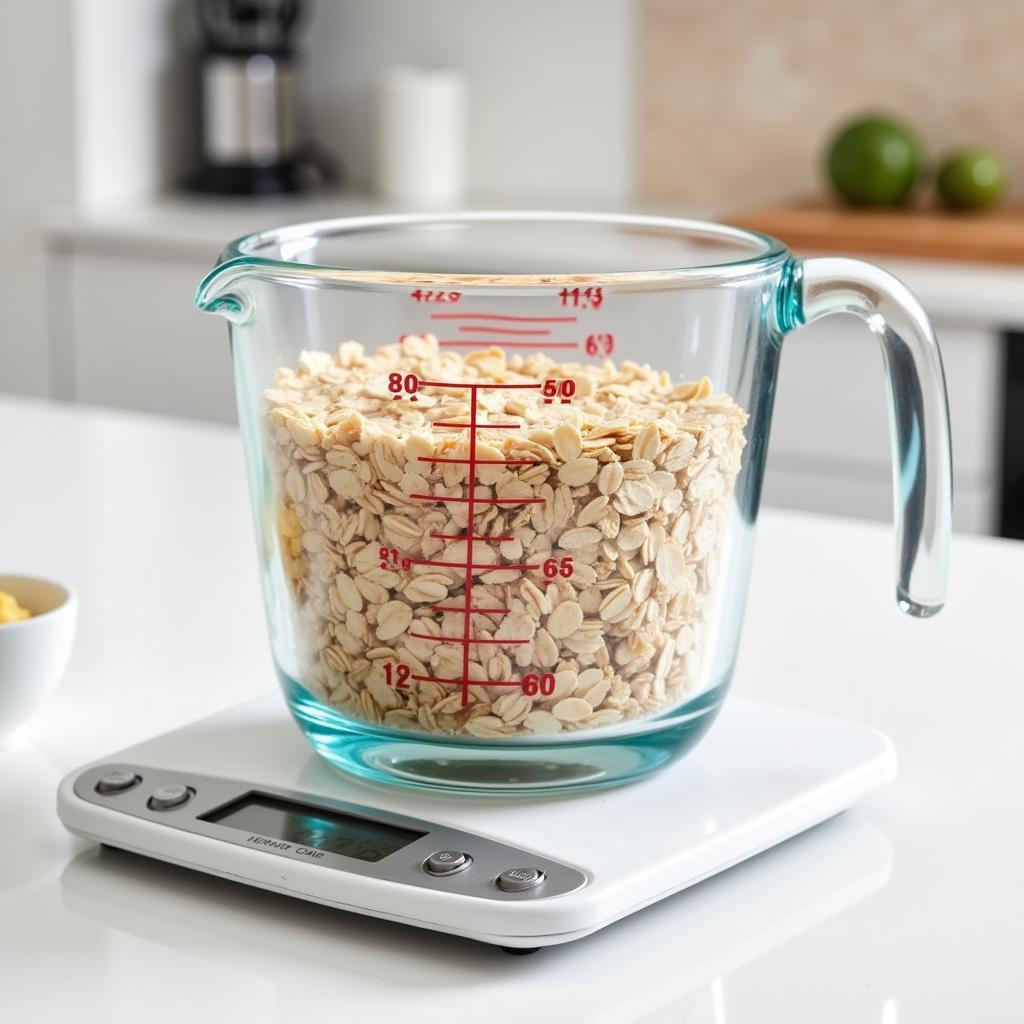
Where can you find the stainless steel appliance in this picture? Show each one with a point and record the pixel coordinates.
(252, 128)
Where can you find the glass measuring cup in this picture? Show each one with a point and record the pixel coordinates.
(506, 468)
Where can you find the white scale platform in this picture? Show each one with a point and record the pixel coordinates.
(763, 774)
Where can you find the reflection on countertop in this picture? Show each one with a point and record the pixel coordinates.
(665, 963)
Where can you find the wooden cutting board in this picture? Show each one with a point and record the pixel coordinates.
(815, 226)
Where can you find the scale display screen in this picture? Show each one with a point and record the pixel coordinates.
(314, 827)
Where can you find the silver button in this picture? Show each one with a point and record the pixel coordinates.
(446, 862)
(117, 780)
(519, 879)
(166, 797)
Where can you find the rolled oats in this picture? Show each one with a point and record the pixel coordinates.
(594, 551)
(565, 620)
(572, 709)
(393, 619)
(578, 472)
(610, 478)
(542, 722)
(580, 537)
(567, 441)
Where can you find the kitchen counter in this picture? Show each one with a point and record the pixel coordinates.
(908, 908)
(179, 225)
(183, 227)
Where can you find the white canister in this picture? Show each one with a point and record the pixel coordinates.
(421, 135)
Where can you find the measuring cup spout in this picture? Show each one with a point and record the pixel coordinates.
(222, 292)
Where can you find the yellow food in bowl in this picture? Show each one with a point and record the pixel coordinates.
(10, 610)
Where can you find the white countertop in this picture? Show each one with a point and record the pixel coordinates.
(180, 225)
(910, 908)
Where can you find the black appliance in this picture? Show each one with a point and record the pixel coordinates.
(1012, 518)
(252, 132)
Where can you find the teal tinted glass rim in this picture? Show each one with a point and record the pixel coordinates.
(238, 254)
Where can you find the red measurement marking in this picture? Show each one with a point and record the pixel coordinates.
(461, 610)
(482, 501)
(460, 342)
(467, 641)
(599, 344)
(397, 385)
(475, 682)
(431, 296)
(480, 426)
(459, 536)
(453, 384)
(561, 389)
(467, 610)
(464, 565)
(542, 683)
(468, 615)
(480, 462)
(397, 675)
(470, 328)
(511, 319)
(585, 298)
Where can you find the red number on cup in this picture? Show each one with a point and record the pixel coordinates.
(397, 675)
(397, 384)
(599, 344)
(582, 298)
(543, 684)
(558, 567)
(419, 295)
(563, 390)
(390, 558)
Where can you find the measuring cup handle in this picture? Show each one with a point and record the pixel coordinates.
(918, 412)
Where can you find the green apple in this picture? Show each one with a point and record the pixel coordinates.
(874, 162)
(971, 179)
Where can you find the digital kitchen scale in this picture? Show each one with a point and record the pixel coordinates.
(242, 796)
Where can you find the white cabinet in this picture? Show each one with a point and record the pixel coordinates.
(829, 448)
(123, 329)
(131, 337)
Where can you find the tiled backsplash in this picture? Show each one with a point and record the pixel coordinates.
(736, 99)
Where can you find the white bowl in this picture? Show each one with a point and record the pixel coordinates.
(33, 652)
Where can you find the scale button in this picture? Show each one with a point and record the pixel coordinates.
(519, 879)
(446, 862)
(117, 780)
(166, 797)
